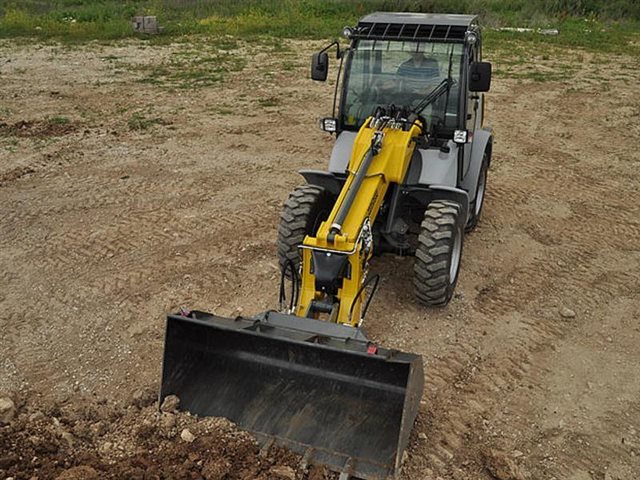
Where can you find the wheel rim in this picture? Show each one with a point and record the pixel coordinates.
(480, 193)
(455, 257)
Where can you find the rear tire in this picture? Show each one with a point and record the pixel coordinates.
(475, 207)
(304, 210)
(439, 252)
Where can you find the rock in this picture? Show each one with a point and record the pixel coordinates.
(283, 472)
(67, 437)
(99, 428)
(422, 436)
(106, 446)
(187, 436)
(168, 421)
(501, 466)
(216, 469)
(7, 410)
(82, 472)
(36, 416)
(567, 313)
(143, 398)
(170, 404)
(458, 475)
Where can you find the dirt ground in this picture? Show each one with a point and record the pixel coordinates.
(128, 191)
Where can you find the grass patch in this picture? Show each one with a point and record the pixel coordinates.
(222, 110)
(289, 66)
(201, 62)
(588, 34)
(188, 73)
(9, 144)
(57, 120)
(538, 76)
(80, 20)
(269, 102)
(139, 121)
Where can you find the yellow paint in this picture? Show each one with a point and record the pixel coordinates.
(388, 166)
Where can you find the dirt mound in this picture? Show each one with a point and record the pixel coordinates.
(87, 438)
(14, 174)
(52, 127)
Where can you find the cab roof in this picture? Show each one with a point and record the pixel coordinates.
(415, 26)
(420, 18)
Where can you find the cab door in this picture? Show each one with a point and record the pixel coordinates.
(473, 112)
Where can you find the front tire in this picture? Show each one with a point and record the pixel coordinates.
(304, 210)
(439, 252)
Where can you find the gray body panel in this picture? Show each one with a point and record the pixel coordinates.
(341, 153)
(439, 168)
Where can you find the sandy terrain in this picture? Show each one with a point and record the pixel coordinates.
(124, 197)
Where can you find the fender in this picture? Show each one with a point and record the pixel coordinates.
(481, 140)
(425, 195)
(330, 181)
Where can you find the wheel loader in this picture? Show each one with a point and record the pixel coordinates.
(407, 175)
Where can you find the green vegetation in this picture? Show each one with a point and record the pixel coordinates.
(587, 33)
(109, 19)
(139, 121)
(213, 36)
(269, 102)
(58, 120)
(197, 64)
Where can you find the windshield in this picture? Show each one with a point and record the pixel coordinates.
(403, 74)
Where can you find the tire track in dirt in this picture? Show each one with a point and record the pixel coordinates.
(462, 385)
(122, 248)
(189, 218)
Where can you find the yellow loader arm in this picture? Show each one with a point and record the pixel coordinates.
(335, 261)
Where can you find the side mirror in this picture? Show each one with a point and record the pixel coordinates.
(319, 66)
(480, 77)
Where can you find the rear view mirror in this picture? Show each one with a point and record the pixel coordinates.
(480, 77)
(319, 66)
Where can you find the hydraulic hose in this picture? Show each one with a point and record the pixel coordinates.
(336, 228)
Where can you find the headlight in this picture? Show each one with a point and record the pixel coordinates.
(329, 124)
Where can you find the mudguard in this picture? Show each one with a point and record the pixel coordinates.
(425, 195)
(330, 181)
(481, 139)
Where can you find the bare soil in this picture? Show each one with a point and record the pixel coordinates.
(94, 438)
(152, 195)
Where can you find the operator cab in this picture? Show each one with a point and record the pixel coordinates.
(401, 74)
(401, 59)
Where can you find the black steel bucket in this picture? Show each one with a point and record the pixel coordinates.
(321, 389)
